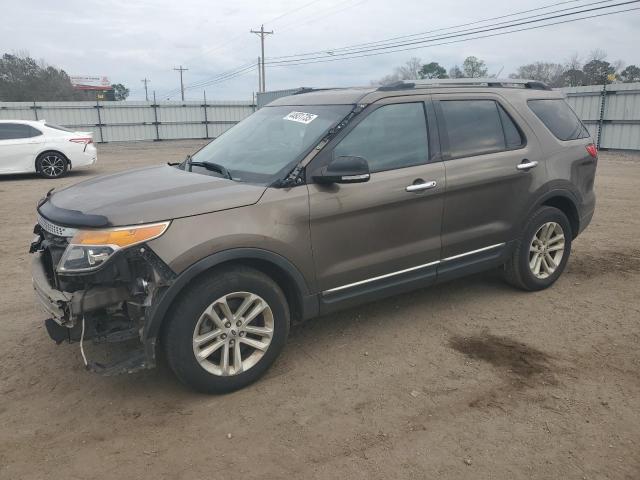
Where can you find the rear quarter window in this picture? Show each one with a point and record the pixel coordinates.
(559, 118)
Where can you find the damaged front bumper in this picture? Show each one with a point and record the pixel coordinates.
(106, 307)
(64, 307)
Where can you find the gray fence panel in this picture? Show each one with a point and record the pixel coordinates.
(620, 117)
(125, 121)
(264, 98)
(619, 127)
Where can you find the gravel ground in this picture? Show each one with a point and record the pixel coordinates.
(469, 379)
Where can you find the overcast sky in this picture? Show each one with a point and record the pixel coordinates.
(128, 40)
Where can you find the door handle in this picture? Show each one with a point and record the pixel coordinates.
(418, 187)
(527, 165)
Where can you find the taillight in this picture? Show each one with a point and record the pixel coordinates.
(83, 140)
(592, 150)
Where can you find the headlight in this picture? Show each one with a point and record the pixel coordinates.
(89, 249)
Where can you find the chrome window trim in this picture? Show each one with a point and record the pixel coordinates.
(406, 270)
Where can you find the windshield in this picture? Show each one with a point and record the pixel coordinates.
(266, 145)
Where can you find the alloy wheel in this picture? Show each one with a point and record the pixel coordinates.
(546, 250)
(233, 333)
(52, 165)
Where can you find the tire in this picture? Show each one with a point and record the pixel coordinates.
(197, 323)
(52, 165)
(529, 265)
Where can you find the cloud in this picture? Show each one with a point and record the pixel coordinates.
(128, 40)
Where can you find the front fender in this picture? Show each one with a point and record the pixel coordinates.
(156, 313)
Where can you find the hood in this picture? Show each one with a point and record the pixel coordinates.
(145, 195)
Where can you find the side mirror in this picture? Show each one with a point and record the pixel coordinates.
(344, 170)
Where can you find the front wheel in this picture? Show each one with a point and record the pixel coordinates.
(226, 330)
(542, 252)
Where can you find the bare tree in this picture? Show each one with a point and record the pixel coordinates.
(409, 71)
(573, 62)
(597, 54)
(456, 72)
(549, 73)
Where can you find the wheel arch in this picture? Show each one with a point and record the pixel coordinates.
(50, 150)
(566, 204)
(302, 303)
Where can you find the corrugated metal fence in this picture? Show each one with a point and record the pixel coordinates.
(264, 98)
(610, 112)
(122, 121)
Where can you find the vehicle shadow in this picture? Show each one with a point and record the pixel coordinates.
(303, 339)
(17, 177)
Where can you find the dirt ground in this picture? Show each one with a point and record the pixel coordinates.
(467, 380)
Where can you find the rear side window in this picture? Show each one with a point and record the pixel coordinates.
(13, 131)
(476, 127)
(393, 136)
(559, 118)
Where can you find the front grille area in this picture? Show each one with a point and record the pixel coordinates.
(54, 229)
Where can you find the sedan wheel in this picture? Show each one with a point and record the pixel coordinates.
(52, 165)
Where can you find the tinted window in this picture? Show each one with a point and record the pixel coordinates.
(474, 127)
(393, 136)
(558, 117)
(512, 136)
(11, 131)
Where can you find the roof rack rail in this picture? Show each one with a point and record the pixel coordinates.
(467, 82)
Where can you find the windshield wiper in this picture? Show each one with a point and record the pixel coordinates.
(214, 167)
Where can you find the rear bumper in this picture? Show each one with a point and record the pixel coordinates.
(85, 159)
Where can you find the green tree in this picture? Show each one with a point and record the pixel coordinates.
(597, 72)
(473, 67)
(120, 92)
(630, 74)
(432, 70)
(24, 79)
(573, 78)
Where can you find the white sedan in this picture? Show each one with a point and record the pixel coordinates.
(37, 146)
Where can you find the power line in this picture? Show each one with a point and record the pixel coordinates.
(488, 28)
(327, 13)
(453, 27)
(464, 39)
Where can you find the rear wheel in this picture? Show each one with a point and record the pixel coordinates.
(542, 251)
(226, 330)
(52, 165)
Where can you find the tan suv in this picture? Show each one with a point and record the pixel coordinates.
(317, 202)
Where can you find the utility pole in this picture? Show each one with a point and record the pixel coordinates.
(146, 92)
(181, 84)
(262, 34)
(259, 76)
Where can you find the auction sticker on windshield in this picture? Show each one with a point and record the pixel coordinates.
(301, 117)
